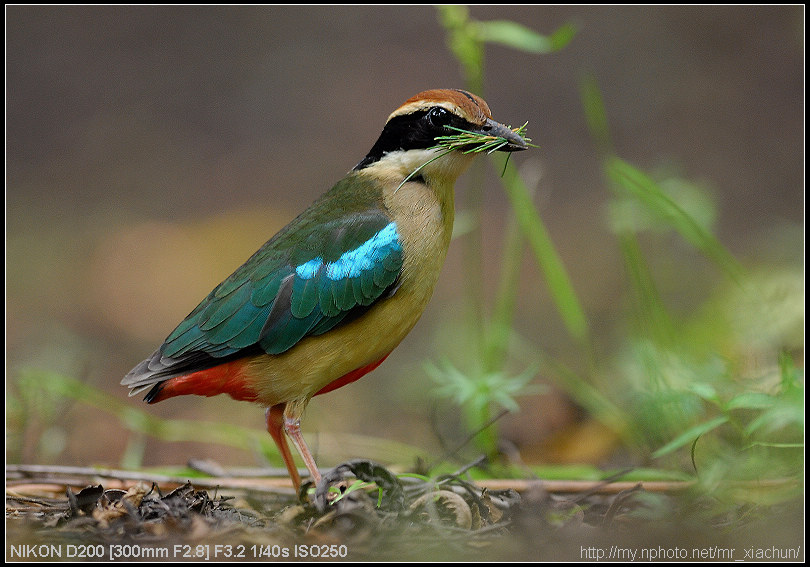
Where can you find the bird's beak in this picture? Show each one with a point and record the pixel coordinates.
(515, 143)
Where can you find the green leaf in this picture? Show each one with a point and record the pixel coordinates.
(705, 391)
(751, 400)
(517, 36)
(562, 36)
(479, 390)
(688, 436)
(784, 414)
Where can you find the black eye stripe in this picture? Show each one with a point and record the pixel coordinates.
(417, 130)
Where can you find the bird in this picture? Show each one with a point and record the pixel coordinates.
(326, 300)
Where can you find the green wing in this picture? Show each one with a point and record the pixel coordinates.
(327, 266)
(314, 274)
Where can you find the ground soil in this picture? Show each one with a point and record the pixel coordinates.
(76, 514)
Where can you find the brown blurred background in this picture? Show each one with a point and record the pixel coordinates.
(151, 150)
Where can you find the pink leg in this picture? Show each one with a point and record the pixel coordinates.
(292, 425)
(274, 417)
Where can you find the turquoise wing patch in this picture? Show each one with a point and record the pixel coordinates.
(300, 283)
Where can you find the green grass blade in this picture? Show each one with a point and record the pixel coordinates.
(500, 326)
(689, 436)
(557, 279)
(649, 313)
(634, 182)
(595, 114)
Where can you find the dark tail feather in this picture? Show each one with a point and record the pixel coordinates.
(152, 373)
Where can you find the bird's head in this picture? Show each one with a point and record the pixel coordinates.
(414, 132)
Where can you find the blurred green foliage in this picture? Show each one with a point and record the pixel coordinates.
(676, 385)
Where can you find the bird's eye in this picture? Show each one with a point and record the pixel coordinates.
(438, 116)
